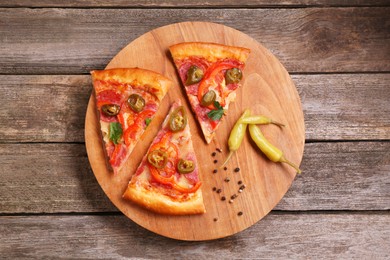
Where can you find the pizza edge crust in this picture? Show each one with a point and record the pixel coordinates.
(210, 51)
(164, 204)
(148, 80)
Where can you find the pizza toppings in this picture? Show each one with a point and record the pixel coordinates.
(167, 180)
(217, 113)
(111, 109)
(233, 75)
(178, 119)
(208, 98)
(115, 132)
(194, 75)
(210, 73)
(158, 158)
(127, 99)
(136, 102)
(185, 166)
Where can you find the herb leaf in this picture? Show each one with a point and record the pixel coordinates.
(147, 121)
(216, 114)
(115, 132)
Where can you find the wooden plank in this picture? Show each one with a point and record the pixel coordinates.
(351, 175)
(333, 107)
(345, 107)
(57, 178)
(65, 41)
(195, 3)
(297, 236)
(49, 178)
(43, 108)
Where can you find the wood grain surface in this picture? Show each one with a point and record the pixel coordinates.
(56, 178)
(51, 204)
(277, 236)
(74, 41)
(267, 89)
(331, 105)
(194, 3)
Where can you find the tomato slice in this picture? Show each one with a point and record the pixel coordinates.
(134, 126)
(171, 181)
(210, 75)
(158, 177)
(117, 155)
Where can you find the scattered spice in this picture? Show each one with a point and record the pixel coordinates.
(240, 190)
(225, 168)
(233, 196)
(214, 188)
(223, 198)
(215, 171)
(219, 191)
(215, 219)
(227, 179)
(242, 187)
(219, 150)
(215, 161)
(237, 169)
(230, 201)
(214, 154)
(239, 182)
(240, 213)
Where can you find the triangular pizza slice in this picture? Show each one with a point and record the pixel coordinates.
(167, 180)
(211, 74)
(126, 100)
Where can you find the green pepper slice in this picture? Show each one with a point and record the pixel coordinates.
(194, 75)
(185, 166)
(178, 119)
(233, 75)
(158, 158)
(136, 102)
(110, 109)
(208, 98)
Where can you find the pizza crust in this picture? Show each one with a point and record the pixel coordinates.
(160, 203)
(210, 51)
(131, 78)
(150, 81)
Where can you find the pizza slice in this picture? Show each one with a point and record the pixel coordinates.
(126, 99)
(167, 180)
(211, 74)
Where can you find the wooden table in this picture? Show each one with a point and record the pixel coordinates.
(338, 55)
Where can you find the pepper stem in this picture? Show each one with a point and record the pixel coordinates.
(284, 160)
(277, 123)
(227, 159)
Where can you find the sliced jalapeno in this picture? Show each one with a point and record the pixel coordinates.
(178, 119)
(185, 166)
(158, 158)
(208, 98)
(110, 109)
(136, 102)
(233, 75)
(194, 75)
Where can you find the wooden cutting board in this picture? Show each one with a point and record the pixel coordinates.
(267, 90)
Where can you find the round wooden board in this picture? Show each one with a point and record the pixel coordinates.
(267, 89)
